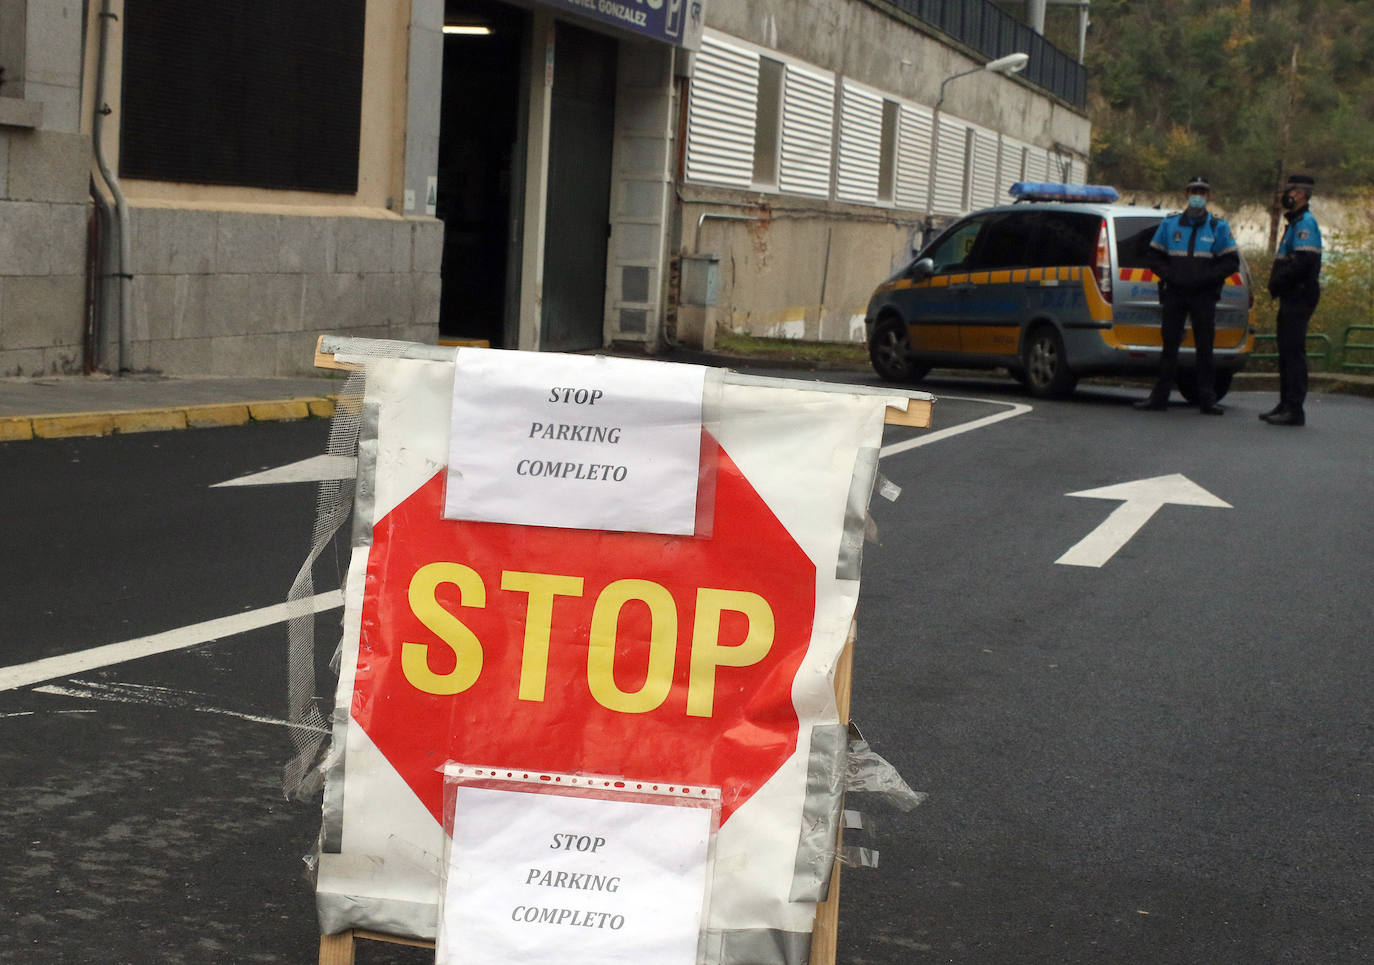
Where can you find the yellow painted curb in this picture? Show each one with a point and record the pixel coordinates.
(281, 411)
(149, 420)
(74, 424)
(215, 415)
(16, 429)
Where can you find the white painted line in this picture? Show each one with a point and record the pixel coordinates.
(1142, 499)
(124, 693)
(1015, 409)
(67, 664)
(314, 469)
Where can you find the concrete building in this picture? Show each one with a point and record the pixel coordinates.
(205, 188)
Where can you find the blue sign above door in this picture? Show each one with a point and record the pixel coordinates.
(677, 22)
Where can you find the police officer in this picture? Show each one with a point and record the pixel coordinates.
(1293, 281)
(1192, 254)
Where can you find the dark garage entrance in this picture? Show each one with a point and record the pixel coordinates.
(481, 170)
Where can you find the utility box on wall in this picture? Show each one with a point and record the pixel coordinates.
(696, 314)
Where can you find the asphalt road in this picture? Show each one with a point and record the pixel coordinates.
(1164, 758)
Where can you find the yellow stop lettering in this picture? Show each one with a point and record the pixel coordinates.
(662, 647)
(542, 588)
(707, 651)
(448, 628)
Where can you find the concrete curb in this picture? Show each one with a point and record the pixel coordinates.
(73, 424)
(207, 415)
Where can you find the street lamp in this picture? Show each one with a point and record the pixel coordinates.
(1010, 64)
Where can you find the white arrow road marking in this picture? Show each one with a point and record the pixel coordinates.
(1141, 500)
(314, 469)
(67, 664)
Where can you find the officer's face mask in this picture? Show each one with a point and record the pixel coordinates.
(1290, 201)
(1197, 201)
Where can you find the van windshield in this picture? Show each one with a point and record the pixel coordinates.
(1133, 240)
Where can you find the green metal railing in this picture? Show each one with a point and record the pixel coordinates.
(1358, 347)
(1324, 355)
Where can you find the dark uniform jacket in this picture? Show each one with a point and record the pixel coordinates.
(1193, 254)
(1298, 262)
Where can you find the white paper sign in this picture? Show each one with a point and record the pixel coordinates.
(536, 878)
(580, 442)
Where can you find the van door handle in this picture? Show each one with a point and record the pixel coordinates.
(963, 286)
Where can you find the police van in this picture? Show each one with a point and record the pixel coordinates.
(1052, 288)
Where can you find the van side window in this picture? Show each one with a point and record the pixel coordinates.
(1133, 240)
(1005, 242)
(952, 251)
(1064, 238)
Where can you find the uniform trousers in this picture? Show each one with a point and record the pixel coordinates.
(1294, 314)
(1177, 310)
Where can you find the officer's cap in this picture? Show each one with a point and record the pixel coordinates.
(1197, 182)
(1302, 182)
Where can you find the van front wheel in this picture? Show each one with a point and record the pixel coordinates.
(890, 352)
(1047, 369)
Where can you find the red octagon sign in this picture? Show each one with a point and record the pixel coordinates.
(658, 658)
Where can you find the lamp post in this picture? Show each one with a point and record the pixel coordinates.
(1010, 64)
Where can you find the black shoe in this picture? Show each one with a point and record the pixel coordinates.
(1211, 408)
(1276, 410)
(1151, 404)
(1288, 417)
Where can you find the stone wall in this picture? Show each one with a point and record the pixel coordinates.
(237, 293)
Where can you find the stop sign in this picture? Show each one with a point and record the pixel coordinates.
(657, 658)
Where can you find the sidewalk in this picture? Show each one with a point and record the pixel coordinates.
(63, 406)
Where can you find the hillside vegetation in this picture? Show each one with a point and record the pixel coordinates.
(1244, 91)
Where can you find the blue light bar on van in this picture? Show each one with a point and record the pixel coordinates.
(1050, 191)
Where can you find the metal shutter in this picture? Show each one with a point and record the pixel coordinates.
(861, 145)
(721, 114)
(1037, 165)
(949, 166)
(1010, 166)
(913, 156)
(808, 119)
(983, 168)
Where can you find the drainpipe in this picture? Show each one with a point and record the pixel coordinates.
(121, 208)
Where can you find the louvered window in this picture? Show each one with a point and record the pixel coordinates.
(721, 114)
(1037, 165)
(1011, 166)
(913, 155)
(982, 168)
(808, 114)
(861, 145)
(950, 166)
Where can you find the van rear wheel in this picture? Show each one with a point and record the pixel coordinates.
(1187, 385)
(1047, 368)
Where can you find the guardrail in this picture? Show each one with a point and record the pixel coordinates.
(1357, 346)
(1324, 354)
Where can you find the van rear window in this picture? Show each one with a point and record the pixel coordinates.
(1133, 240)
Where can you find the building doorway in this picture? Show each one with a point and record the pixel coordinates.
(481, 169)
(577, 226)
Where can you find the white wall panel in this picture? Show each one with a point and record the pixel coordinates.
(721, 114)
(913, 156)
(861, 145)
(808, 122)
(1010, 166)
(949, 166)
(983, 168)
